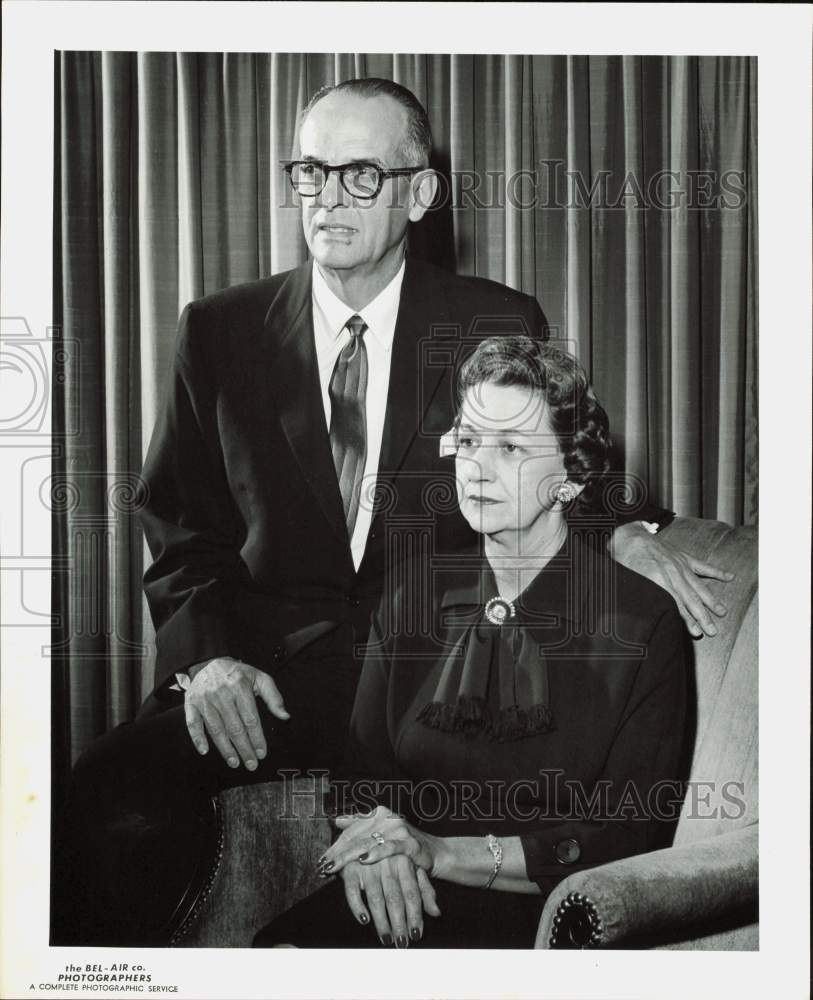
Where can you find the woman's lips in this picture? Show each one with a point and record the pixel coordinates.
(483, 500)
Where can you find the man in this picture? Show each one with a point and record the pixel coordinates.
(295, 462)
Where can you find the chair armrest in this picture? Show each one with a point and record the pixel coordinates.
(668, 890)
(273, 833)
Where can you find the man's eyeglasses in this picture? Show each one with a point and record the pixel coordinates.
(360, 180)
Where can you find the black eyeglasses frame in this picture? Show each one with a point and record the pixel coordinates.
(383, 175)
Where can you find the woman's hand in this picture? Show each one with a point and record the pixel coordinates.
(397, 893)
(379, 835)
(369, 842)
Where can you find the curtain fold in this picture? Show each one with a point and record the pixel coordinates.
(621, 191)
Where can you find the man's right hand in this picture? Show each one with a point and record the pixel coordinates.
(221, 703)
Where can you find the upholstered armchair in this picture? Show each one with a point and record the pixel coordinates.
(700, 893)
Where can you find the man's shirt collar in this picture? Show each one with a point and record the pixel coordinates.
(379, 315)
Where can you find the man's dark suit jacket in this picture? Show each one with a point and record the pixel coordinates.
(243, 513)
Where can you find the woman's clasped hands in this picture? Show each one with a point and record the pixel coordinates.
(385, 861)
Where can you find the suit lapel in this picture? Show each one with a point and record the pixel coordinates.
(416, 372)
(414, 375)
(294, 376)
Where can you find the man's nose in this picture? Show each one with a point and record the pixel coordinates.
(332, 193)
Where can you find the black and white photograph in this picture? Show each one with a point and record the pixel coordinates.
(383, 515)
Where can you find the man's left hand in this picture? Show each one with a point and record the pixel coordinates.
(677, 572)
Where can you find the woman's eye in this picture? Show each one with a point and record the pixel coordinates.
(509, 448)
(464, 442)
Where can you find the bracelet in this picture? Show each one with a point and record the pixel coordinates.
(576, 923)
(495, 847)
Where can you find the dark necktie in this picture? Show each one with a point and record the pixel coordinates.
(348, 425)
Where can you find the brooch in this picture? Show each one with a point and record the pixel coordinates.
(497, 610)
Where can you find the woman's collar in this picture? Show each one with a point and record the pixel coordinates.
(558, 591)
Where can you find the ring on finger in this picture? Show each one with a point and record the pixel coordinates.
(378, 838)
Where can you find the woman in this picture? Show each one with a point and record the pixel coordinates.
(516, 713)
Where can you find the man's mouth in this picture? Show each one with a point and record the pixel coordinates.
(336, 230)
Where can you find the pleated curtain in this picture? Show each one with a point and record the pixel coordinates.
(620, 191)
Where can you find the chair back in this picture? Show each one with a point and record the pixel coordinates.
(723, 783)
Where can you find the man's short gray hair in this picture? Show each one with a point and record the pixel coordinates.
(417, 144)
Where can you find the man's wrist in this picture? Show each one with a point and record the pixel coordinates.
(632, 532)
(196, 668)
(185, 677)
(641, 527)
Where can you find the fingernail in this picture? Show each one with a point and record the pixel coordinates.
(402, 941)
(720, 609)
(363, 918)
(415, 933)
(363, 857)
(329, 866)
(233, 762)
(386, 940)
(251, 765)
(321, 861)
(261, 754)
(710, 629)
(201, 748)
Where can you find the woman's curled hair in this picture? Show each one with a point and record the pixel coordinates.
(576, 417)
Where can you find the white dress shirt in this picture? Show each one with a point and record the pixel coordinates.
(330, 316)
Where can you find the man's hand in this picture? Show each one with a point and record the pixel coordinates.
(221, 702)
(676, 571)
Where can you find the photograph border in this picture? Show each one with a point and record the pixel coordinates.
(780, 38)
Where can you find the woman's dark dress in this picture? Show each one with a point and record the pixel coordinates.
(600, 785)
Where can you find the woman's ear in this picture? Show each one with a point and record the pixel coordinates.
(568, 491)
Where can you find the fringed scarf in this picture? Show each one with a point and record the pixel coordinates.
(510, 654)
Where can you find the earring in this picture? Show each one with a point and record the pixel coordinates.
(566, 493)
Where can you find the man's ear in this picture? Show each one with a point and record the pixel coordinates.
(422, 193)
